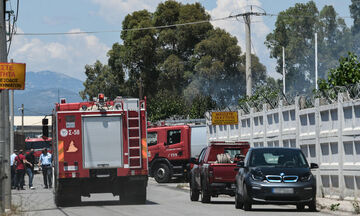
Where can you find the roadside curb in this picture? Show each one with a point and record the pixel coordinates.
(335, 206)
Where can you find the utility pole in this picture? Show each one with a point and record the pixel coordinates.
(316, 63)
(283, 52)
(4, 117)
(248, 55)
(22, 120)
(247, 19)
(12, 119)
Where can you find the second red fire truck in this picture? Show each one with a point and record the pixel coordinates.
(171, 147)
(100, 147)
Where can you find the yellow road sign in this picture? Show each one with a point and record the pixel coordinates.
(224, 118)
(12, 76)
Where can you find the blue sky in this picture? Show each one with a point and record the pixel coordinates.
(69, 54)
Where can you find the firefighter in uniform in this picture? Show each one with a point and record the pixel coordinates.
(45, 161)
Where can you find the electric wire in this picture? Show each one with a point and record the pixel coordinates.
(130, 29)
(166, 26)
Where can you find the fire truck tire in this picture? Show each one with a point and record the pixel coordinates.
(68, 197)
(133, 197)
(162, 173)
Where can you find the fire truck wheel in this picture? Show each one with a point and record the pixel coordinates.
(162, 173)
(67, 197)
(134, 197)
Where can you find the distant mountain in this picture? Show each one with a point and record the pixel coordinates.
(43, 89)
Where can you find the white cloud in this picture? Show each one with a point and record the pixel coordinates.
(259, 29)
(114, 11)
(67, 55)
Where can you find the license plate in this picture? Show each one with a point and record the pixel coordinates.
(283, 190)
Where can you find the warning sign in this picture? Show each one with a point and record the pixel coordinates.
(224, 118)
(12, 76)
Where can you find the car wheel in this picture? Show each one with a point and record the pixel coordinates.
(312, 205)
(194, 192)
(300, 207)
(205, 195)
(246, 200)
(238, 201)
(162, 173)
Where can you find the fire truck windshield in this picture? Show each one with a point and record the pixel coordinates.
(36, 145)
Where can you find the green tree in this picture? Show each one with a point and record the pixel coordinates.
(200, 105)
(164, 105)
(220, 69)
(295, 29)
(347, 73)
(100, 79)
(193, 67)
(137, 54)
(355, 14)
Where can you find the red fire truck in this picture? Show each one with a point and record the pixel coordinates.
(38, 144)
(100, 147)
(171, 147)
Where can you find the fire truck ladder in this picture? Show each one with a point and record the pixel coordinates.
(133, 120)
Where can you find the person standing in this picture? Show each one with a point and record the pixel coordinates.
(45, 161)
(30, 157)
(20, 162)
(13, 168)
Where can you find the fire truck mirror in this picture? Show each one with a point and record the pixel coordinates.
(45, 128)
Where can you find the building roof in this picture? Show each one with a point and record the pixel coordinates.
(30, 120)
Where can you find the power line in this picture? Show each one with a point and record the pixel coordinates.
(163, 26)
(132, 29)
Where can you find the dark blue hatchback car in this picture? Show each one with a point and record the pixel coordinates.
(275, 176)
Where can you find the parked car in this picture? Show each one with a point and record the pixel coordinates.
(213, 173)
(275, 176)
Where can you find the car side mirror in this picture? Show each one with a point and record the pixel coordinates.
(314, 166)
(240, 164)
(194, 161)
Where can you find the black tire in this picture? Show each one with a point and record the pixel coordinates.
(238, 202)
(205, 195)
(134, 194)
(300, 207)
(162, 173)
(66, 195)
(194, 192)
(246, 201)
(70, 199)
(312, 205)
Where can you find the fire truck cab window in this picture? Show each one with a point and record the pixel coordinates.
(37, 145)
(152, 138)
(173, 137)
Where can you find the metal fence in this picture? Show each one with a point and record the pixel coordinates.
(328, 134)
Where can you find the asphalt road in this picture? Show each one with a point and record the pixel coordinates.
(162, 199)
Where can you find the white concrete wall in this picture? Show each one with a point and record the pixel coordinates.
(329, 135)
